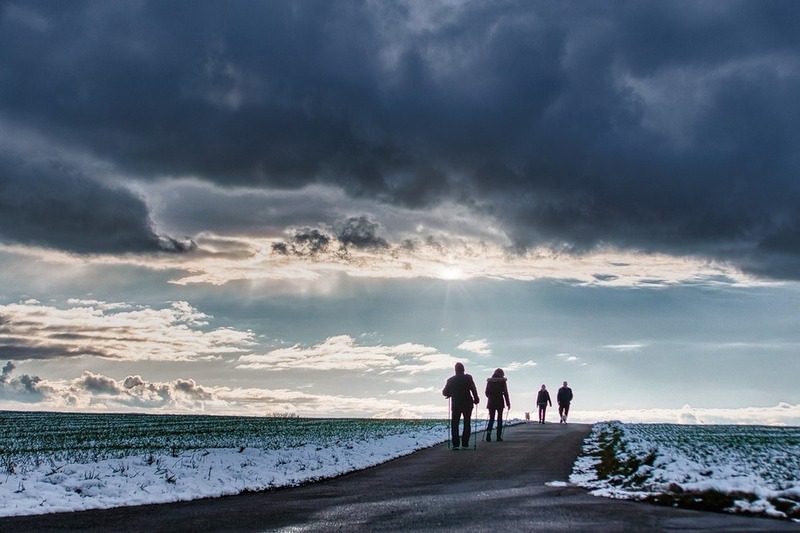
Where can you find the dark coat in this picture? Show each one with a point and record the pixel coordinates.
(461, 389)
(496, 392)
(543, 398)
(564, 395)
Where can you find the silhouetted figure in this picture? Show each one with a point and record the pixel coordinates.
(463, 394)
(564, 397)
(496, 399)
(542, 400)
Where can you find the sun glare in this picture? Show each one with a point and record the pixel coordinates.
(451, 273)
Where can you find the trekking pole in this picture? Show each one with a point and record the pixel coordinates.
(475, 430)
(447, 425)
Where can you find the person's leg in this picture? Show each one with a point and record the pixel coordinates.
(455, 416)
(467, 429)
(541, 409)
(566, 412)
(544, 412)
(561, 413)
(490, 425)
(499, 424)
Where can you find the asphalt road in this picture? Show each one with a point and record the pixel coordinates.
(500, 487)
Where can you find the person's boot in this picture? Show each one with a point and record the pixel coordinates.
(499, 436)
(488, 437)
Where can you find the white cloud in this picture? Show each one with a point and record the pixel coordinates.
(516, 365)
(478, 346)
(783, 414)
(343, 353)
(415, 390)
(93, 392)
(179, 332)
(631, 347)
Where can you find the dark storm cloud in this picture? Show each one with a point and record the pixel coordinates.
(663, 126)
(356, 232)
(360, 232)
(304, 242)
(48, 203)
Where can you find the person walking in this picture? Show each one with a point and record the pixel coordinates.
(463, 395)
(564, 397)
(496, 399)
(542, 400)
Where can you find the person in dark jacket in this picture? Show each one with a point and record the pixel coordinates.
(463, 395)
(496, 399)
(564, 397)
(542, 400)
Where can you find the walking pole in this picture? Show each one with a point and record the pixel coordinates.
(475, 430)
(447, 424)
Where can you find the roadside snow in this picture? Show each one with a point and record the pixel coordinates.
(756, 467)
(141, 479)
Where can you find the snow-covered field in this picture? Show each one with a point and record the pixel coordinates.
(65, 462)
(740, 469)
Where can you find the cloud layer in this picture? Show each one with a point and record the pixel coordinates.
(32, 330)
(343, 353)
(782, 414)
(97, 392)
(477, 346)
(56, 201)
(657, 126)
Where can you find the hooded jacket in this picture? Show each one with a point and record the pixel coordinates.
(496, 392)
(543, 398)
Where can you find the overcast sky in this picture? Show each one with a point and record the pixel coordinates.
(319, 207)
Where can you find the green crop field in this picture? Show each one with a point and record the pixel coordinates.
(26, 437)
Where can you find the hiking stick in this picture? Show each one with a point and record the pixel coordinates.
(448, 424)
(475, 430)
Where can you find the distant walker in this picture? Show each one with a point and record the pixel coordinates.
(564, 397)
(542, 401)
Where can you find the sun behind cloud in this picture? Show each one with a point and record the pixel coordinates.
(451, 273)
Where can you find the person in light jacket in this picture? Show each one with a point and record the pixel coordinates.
(542, 401)
(463, 395)
(496, 399)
